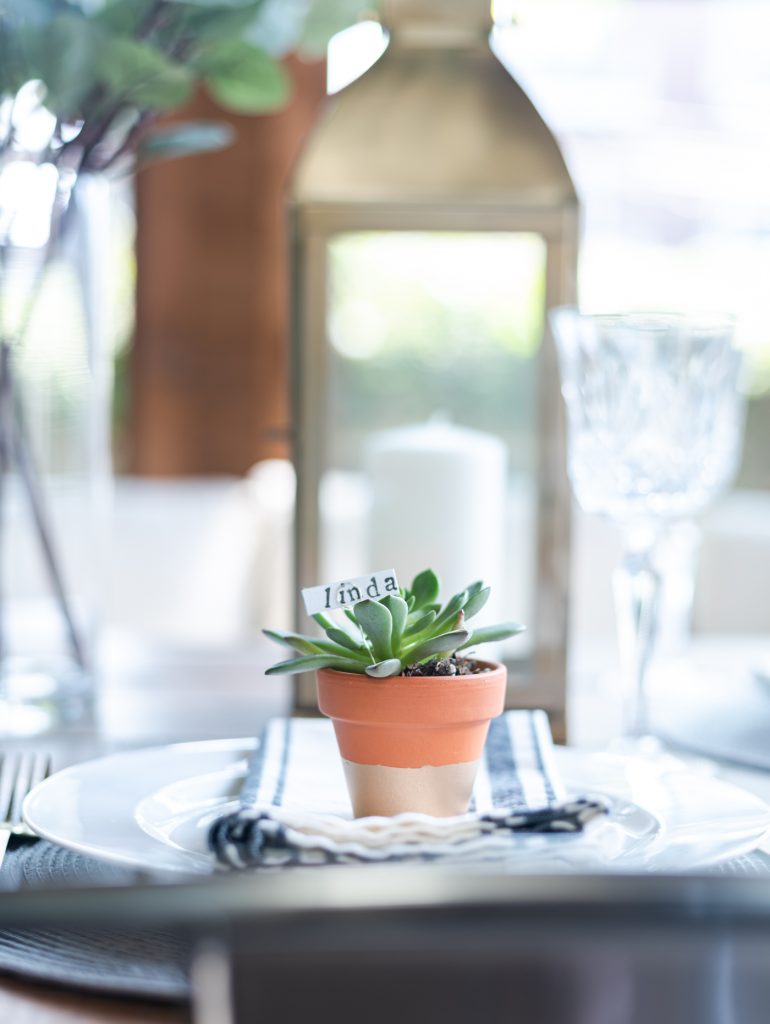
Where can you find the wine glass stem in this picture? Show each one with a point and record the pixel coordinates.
(638, 586)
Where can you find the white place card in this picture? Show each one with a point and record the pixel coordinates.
(346, 593)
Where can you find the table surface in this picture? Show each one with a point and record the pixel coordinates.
(150, 695)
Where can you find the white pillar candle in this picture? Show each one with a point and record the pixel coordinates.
(438, 501)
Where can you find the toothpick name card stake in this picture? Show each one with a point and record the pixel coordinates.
(346, 593)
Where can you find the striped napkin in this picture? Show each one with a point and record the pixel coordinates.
(294, 807)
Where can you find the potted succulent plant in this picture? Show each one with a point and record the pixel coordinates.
(410, 709)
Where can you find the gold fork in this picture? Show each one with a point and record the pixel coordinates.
(19, 774)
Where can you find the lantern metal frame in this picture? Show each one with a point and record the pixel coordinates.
(348, 181)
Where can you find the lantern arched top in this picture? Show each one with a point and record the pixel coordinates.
(430, 127)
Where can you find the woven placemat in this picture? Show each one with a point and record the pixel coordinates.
(150, 964)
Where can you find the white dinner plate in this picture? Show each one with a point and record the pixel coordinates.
(151, 809)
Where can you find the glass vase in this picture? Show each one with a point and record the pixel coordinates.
(55, 390)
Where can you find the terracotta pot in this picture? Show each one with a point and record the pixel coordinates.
(411, 743)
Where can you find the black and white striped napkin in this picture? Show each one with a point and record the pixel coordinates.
(294, 808)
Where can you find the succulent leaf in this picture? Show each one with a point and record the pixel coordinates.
(441, 644)
(339, 636)
(303, 644)
(425, 588)
(487, 634)
(476, 602)
(319, 645)
(420, 625)
(357, 633)
(398, 612)
(383, 637)
(377, 623)
(448, 616)
(309, 663)
(383, 669)
(335, 650)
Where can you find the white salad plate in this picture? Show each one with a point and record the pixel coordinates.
(151, 809)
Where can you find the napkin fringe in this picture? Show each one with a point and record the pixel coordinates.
(255, 837)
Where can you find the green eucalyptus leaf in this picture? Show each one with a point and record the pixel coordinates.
(122, 17)
(183, 139)
(476, 602)
(14, 66)
(325, 19)
(311, 663)
(242, 77)
(425, 588)
(223, 5)
(377, 623)
(31, 11)
(278, 26)
(398, 612)
(143, 75)
(64, 54)
(441, 644)
(488, 634)
(383, 669)
(217, 22)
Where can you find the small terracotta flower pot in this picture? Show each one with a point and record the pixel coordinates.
(411, 743)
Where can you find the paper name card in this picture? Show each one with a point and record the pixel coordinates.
(345, 593)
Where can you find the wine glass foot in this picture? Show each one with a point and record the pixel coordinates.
(645, 746)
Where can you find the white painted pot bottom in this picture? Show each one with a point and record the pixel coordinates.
(440, 790)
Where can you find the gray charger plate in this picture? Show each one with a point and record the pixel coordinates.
(150, 964)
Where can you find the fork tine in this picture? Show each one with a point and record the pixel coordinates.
(9, 770)
(41, 768)
(22, 786)
(19, 774)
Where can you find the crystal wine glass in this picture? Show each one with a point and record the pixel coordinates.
(655, 427)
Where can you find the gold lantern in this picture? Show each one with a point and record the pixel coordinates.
(437, 142)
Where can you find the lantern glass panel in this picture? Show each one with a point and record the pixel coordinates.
(426, 325)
